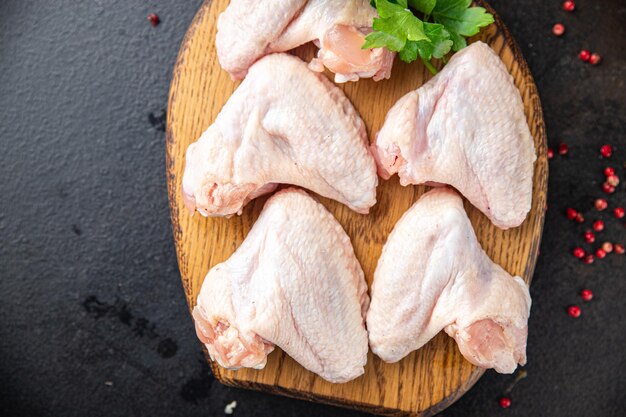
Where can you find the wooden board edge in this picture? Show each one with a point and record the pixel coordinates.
(476, 374)
(173, 186)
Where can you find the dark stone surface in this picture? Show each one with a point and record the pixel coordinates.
(93, 319)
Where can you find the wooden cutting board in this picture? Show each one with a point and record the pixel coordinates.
(425, 382)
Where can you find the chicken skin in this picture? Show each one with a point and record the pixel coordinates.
(466, 128)
(247, 30)
(284, 124)
(294, 283)
(433, 275)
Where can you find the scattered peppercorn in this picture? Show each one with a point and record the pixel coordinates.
(619, 249)
(608, 188)
(608, 247)
(550, 153)
(595, 59)
(579, 252)
(569, 6)
(586, 295)
(563, 149)
(590, 237)
(600, 253)
(574, 311)
(606, 151)
(558, 29)
(601, 204)
(570, 213)
(588, 259)
(154, 20)
(612, 180)
(505, 402)
(579, 218)
(619, 212)
(584, 55)
(598, 225)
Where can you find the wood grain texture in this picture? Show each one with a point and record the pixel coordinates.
(425, 382)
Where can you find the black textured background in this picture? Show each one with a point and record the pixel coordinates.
(93, 321)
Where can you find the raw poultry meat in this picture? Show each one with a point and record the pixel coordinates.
(295, 283)
(284, 124)
(465, 127)
(248, 30)
(434, 275)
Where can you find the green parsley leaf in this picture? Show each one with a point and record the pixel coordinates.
(401, 31)
(410, 51)
(440, 43)
(424, 6)
(383, 40)
(460, 20)
(402, 3)
(437, 46)
(388, 9)
(397, 24)
(414, 27)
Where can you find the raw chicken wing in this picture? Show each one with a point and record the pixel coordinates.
(248, 30)
(284, 124)
(295, 283)
(465, 127)
(434, 275)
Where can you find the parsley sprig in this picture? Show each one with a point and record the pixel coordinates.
(443, 27)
